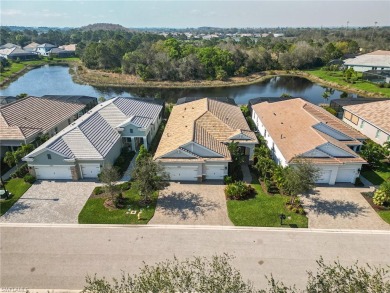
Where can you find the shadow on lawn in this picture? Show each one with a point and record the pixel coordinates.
(185, 205)
(18, 208)
(335, 208)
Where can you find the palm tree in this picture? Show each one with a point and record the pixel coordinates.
(265, 166)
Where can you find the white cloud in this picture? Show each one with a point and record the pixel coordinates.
(12, 12)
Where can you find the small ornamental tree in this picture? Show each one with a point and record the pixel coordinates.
(109, 175)
(373, 153)
(149, 177)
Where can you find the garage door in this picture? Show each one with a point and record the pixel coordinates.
(215, 172)
(324, 176)
(53, 172)
(345, 175)
(90, 171)
(182, 173)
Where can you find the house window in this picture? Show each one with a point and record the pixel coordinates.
(362, 124)
(131, 130)
(378, 134)
(48, 156)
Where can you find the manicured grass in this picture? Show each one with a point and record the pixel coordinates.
(263, 211)
(385, 215)
(337, 77)
(94, 211)
(17, 187)
(379, 175)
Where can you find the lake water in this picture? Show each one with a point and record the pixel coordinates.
(56, 80)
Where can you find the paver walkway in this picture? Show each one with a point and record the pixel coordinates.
(127, 175)
(341, 207)
(50, 202)
(247, 176)
(192, 204)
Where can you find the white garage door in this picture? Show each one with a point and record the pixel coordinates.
(215, 172)
(182, 173)
(90, 171)
(53, 172)
(345, 175)
(324, 176)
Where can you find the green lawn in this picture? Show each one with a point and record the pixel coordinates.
(337, 77)
(263, 211)
(378, 175)
(385, 215)
(94, 211)
(17, 187)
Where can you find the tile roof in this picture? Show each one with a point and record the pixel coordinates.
(376, 113)
(293, 126)
(205, 121)
(94, 134)
(15, 51)
(29, 116)
(373, 59)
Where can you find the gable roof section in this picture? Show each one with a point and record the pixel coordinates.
(138, 107)
(293, 126)
(32, 115)
(376, 113)
(209, 123)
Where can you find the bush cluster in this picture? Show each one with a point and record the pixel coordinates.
(29, 178)
(239, 190)
(382, 195)
(123, 161)
(20, 172)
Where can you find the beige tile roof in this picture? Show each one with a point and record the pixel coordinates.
(290, 124)
(29, 116)
(376, 113)
(207, 122)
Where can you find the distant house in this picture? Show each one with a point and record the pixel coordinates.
(70, 47)
(22, 121)
(339, 104)
(17, 53)
(88, 101)
(377, 60)
(194, 147)
(371, 119)
(294, 128)
(31, 47)
(57, 52)
(44, 49)
(81, 149)
(7, 99)
(9, 46)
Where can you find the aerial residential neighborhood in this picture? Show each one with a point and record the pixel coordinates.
(174, 146)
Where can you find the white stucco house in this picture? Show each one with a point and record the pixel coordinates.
(80, 150)
(371, 119)
(377, 60)
(296, 127)
(193, 146)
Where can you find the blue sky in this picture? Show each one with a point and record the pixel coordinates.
(196, 13)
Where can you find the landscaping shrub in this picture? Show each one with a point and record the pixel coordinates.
(227, 180)
(331, 110)
(20, 172)
(29, 178)
(239, 190)
(124, 186)
(123, 161)
(98, 190)
(382, 195)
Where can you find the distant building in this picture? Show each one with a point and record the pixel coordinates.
(371, 119)
(31, 47)
(377, 60)
(17, 53)
(70, 47)
(7, 99)
(339, 104)
(44, 49)
(57, 52)
(9, 46)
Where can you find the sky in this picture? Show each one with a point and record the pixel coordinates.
(183, 13)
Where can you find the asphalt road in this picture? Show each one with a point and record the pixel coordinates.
(60, 256)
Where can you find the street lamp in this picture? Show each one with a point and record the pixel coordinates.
(282, 217)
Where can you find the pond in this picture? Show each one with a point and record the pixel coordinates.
(56, 80)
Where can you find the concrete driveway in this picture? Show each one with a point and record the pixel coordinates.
(192, 204)
(341, 207)
(50, 202)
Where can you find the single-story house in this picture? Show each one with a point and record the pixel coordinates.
(57, 52)
(17, 53)
(193, 146)
(9, 46)
(377, 60)
(23, 120)
(44, 49)
(7, 99)
(81, 149)
(31, 47)
(88, 101)
(371, 119)
(296, 128)
(70, 47)
(339, 104)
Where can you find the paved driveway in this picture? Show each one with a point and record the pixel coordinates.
(341, 207)
(50, 202)
(192, 204)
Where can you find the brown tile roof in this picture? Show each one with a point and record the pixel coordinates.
(207, 122)
(291, 123)
(29, 116)
(376, 113)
